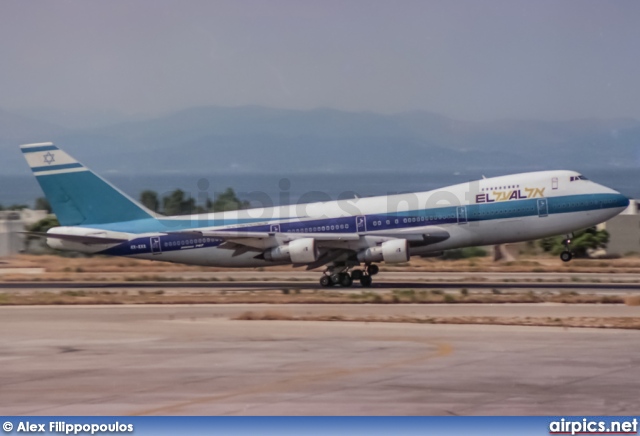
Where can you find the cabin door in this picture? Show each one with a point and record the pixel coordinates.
(543, 208)
(462, 214)
(156, 248)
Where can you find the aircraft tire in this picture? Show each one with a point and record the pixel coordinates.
(566, 256)
(325, 281)
(365, 281)
(373, 270)
(357, 274)
(345, 280)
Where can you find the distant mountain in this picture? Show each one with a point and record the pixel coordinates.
(78, 119)
(15, 130)
(258, 139)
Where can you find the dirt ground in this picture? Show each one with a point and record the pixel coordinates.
(582, 322)
(297, 296)
(57, 268)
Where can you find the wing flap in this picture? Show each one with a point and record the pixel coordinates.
(421, 235)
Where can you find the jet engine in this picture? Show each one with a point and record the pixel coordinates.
(394, 251)
(297, 251)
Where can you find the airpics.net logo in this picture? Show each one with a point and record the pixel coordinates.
(590, 426)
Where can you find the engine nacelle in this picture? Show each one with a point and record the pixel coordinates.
(394, 251)
(297, 251)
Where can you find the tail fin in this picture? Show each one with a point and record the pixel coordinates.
(77, 195)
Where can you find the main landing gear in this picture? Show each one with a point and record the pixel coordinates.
(566, 255)
(340, 276)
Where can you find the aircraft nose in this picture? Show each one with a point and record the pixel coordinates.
(622, 200)
(616, 199)
(618, 202)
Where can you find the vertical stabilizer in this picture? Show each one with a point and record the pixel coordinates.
(77, 195)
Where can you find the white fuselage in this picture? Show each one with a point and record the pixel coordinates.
(490, 211)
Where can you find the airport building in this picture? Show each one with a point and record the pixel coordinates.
(12, 222)
(624, 231)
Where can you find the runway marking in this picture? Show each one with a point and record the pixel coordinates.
(442, 349)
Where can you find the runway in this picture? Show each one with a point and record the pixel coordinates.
(275, 285)
(141, 360)
(394, 276)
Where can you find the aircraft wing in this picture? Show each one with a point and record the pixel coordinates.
(422, 235)
(82, 239)
(264, 240)
(350, 241)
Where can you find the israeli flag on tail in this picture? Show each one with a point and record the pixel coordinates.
(77, 195)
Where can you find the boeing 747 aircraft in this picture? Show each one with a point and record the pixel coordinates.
(347, 237)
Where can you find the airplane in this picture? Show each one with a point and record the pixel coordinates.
(347, 237)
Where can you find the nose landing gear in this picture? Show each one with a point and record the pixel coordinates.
(566, 255)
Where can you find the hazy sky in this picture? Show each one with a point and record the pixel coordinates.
(476, 60)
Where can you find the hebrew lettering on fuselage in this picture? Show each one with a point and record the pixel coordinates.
(515, 194)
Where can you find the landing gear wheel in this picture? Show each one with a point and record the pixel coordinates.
(365, 281)
(345, 280)
(373, 270)
(566, 256)
(325, 281)
(357, 274)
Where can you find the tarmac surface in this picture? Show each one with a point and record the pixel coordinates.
(393, 276)
(254, 280)
(255, 285)
(194, 360)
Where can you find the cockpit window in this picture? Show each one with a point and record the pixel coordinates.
(579, 177)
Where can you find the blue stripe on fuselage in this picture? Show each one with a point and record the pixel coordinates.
(349, 224)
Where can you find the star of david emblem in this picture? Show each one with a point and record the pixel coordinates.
(49, 158)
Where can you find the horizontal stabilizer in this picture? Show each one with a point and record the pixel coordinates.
(82, 239)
